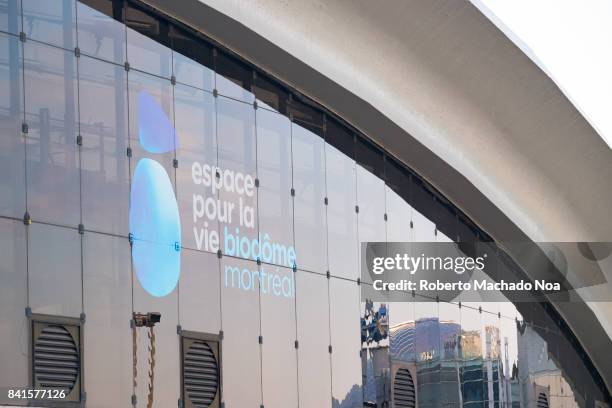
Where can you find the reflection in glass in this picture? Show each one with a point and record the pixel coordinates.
(167, 382)
(427, 349)
(12, 152)
(341, 215)
(199, 301)
(241, 330)
(375, 364)
(10, 16)
(398, 217)
(190, 72)
(279, 358)
(108, 305)
(13, 301)
(104, 163)
(144, 53)
(50, 21)
(371, 201)
(312, 307)
(310, 217)
(472, 386)
(450, 364)
(54, 264)
(274, 199)
(100, 35)
(237, 174)
(51, 115)
(156, 92)
(197, 157)
(345, 341)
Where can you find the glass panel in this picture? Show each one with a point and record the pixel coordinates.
(472, 386)
(12, 151)
(450, 364)
(345, 341)
(197, 157)
(100, 35)
(107, 296)
(152, 133)
(54, 263)
(154, 215)
(189, 72)
(371, 216)
(402, 332)
(167, 361)
(424, 230)
(13, 301)
(199, 301)
(491, 356)
(427, 353)
(274, 194)
(144, 53)
(104, 163)
(51, 114)
(237, 174)
(233, 78)
(50, 21)
(341, 216)
(241, 329)
(375, 351)
(399, 214)
(279, 356)
(10, 16)
(312, 305)
(310, 217)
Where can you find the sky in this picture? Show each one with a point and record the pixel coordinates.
(570, 40)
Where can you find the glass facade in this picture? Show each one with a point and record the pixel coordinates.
(274, 196)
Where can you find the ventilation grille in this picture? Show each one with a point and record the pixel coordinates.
(200, 373)
(542, 400)
(56, 359)
(404, 395)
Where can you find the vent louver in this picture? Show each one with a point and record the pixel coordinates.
(200, 373)
(56, 356)
(542, 400)
(404, 395)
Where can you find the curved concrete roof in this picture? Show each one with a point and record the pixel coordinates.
(441, 88)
